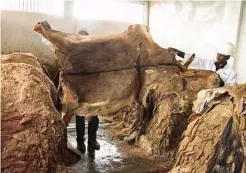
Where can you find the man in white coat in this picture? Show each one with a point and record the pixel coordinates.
(218, 65)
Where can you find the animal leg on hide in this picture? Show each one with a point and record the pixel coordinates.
(55, 37)
(189, 61)
(67, 118)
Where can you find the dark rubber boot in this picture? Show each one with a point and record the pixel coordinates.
(92, 134)
(81, 147)
(80, 130)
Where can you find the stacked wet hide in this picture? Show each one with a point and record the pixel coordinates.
(166, 106)
(32, 133)
(26, 58)
(128, 78)
(215, 141)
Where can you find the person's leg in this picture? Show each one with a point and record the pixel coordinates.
(92, 133)
(80, 130)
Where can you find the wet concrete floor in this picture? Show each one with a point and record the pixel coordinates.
(113, 156)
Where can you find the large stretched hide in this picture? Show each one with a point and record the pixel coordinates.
(33, 135)
(102, 74)
(139, 86)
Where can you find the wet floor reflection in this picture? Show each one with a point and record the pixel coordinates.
(112, 157)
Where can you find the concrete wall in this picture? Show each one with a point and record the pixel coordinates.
(241, 49)
(198, 27)
(18, 36)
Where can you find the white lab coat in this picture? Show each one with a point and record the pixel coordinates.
(227, 74)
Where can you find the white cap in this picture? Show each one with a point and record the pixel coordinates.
(226, 49)
(81, 30)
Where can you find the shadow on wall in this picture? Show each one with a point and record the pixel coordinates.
(18, 36)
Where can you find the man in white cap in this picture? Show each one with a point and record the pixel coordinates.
(82, 31)
(92, 124)
(220, 66)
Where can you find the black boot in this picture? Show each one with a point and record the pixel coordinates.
(80, 130)
(92, 134)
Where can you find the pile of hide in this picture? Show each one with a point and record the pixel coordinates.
(215, 141)
(164, 112)
(139, 86)
(32, 135)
